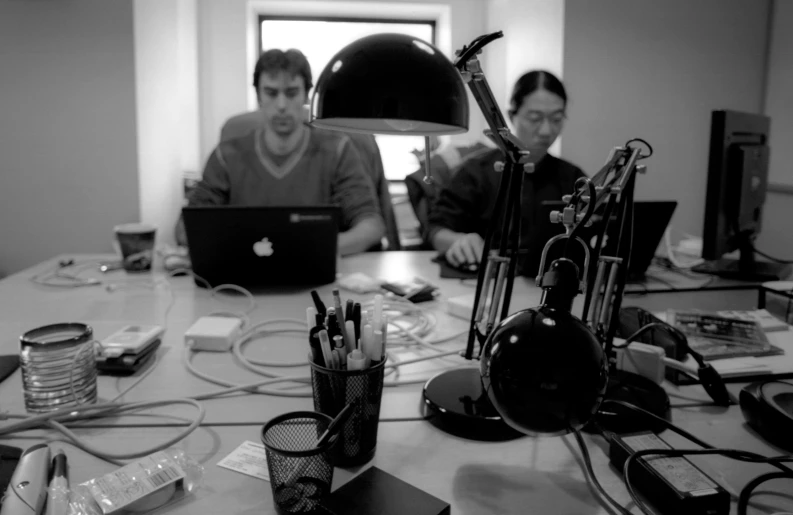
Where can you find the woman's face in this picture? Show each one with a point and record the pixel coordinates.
(539, 121)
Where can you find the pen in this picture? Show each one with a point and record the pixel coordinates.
(324, 342)
(58, 500)
(339, 310)
(348, 310)
(349, 335)
(356, 318)
(378, 311)
(333, 324)
(318, 303)
(338, 345)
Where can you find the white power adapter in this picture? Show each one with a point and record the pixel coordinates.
(642, 359)
(211, 333)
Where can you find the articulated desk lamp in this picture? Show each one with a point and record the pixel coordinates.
(542, 370)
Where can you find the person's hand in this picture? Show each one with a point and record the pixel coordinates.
(466, 249)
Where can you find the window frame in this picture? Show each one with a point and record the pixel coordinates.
(262, 17)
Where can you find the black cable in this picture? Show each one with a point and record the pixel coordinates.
(643, 142)
(746, 492)
(772, 258)
(730, 453)
(632, 338)
(591, 473)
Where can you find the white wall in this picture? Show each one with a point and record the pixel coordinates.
(779, 96)
(656, 70)
(166, 73)
(68, 167)
(777, 238)
(224, 44)
(533, 39)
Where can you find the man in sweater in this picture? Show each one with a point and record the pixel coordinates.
(288, 163)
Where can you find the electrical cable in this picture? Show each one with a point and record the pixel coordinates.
(772, 258)
(590, 472)
(776, 462)
(729, 453)
(411, 323)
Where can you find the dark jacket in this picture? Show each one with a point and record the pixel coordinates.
(468, 202)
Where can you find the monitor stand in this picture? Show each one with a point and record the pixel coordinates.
(746, 268)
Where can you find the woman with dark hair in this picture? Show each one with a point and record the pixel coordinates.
(463, 211)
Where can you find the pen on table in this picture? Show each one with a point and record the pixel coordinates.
(318, 303)
(58, 499)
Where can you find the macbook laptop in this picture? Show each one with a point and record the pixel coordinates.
(650, 219)
(263, 246)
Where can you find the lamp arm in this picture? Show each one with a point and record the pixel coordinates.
(498, 267)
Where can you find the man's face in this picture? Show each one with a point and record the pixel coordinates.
(281, 100)
(539, 121)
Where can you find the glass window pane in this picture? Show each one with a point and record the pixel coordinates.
(319, 40)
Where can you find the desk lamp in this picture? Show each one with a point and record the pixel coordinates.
(542, 370)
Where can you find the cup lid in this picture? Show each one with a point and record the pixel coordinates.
(135, 227)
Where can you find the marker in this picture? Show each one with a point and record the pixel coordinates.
(367, 341)
(326, 348)
(58, 499)
(349, 336)
(339, 310)
(378, 311)
(318, 303)
(338, 346)
(356, 317)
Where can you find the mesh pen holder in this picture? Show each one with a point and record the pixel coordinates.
(332, 391)
(300, 472)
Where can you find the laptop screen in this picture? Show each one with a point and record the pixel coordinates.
(650, 220)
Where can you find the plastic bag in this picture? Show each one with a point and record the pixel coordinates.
(146, 484)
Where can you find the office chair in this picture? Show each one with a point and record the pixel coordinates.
(444, 163)
(365, 144)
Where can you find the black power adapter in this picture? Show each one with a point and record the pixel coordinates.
(673, 485)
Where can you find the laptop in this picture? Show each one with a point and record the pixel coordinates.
(650, 219)
(263, 246)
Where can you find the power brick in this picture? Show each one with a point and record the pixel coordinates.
(215, 334)
(671, 484)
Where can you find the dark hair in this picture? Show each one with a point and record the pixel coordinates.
(291, 61)
(532, 81)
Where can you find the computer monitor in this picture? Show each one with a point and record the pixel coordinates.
(737, 181)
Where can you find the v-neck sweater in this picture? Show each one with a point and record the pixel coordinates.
(325, 169)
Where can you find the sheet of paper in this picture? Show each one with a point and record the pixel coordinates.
(249, 458)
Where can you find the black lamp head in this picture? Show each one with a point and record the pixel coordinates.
(544, 371)
(391, 84)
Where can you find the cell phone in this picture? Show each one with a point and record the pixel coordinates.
(130, 340)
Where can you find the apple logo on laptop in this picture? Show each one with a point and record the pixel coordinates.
(263, 248)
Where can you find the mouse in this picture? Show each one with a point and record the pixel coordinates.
(176, 262)
(468, 267)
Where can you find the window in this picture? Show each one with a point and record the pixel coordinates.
(319, 38)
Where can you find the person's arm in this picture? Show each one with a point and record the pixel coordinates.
(362, 236)
(352, 189)
(212, 190)
(452, 219)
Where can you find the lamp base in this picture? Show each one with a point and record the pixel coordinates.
(636, 390)
(458, 404)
